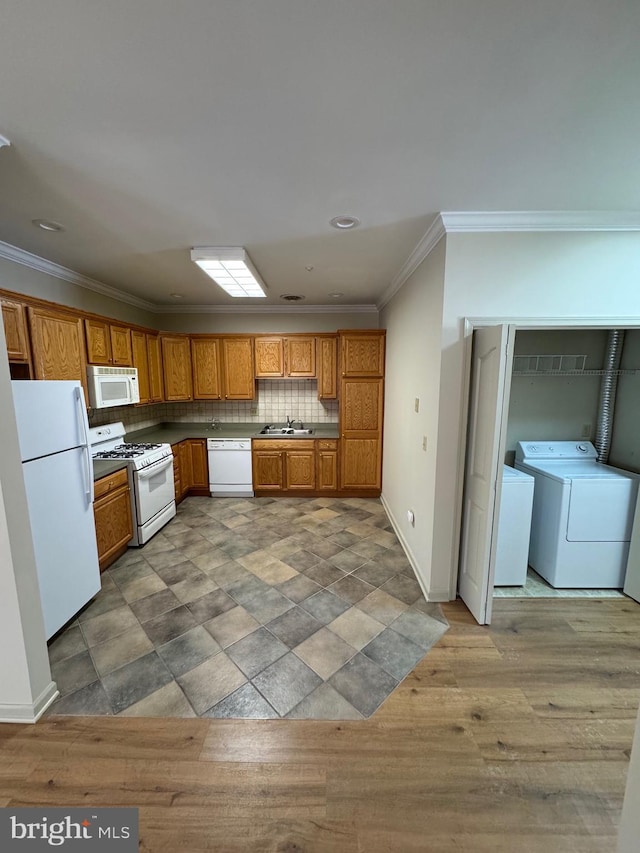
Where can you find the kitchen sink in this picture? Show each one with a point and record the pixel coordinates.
(285, 431)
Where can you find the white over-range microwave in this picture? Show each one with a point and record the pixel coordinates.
(112, 386)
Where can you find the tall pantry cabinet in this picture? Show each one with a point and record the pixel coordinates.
(361, 408)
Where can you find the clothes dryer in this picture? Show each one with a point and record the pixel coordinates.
(582, 514)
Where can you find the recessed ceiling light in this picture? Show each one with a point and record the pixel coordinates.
(231, 269)
(291, 297)
(336, 294)
(176, 295)
(47, 225)
(343, 223)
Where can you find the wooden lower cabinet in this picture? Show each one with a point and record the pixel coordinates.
(190, 468)
(284, 465)
(327, 465)
(112, 513)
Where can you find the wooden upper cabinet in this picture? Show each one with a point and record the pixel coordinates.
(57, 340)
(156, 394)
(141, 363)
(362, 353)
(327, 362)
(98, 341)
(176, 364)
(107, 343)
(207, 373)
(269, 357)
(239, 378)
(121, 354)
(15, 330)
(300, 357)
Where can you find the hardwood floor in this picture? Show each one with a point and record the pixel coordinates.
(509, 738)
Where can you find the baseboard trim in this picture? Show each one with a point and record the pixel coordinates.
(406, 548)
(30, 713)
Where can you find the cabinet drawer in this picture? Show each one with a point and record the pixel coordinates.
(327, 444)
(109, 484)
(277, 444)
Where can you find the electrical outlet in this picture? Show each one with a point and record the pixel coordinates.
(416, 405)
(424, 442)
(586, 431)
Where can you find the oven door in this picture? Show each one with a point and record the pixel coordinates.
(154, 489)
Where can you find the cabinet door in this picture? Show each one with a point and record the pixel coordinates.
(362, 353)
(239, 378)
(361, 409)
(186, 467)
(58, 345)
(98, 341)
(15, 330)
(121, 346)
(268, 469)
(176, 363)
(301, 357)
(113, 524)
(327, 465)
(327, 361)
(300, 469)
(269, 357)
(199, 463)
(207, 377)
(155, 369)
(141, 362)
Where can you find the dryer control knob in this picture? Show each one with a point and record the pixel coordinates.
(582, 448)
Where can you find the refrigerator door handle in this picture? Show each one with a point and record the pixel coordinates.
(86, 447)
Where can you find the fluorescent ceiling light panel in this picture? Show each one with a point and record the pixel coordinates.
(231, 268)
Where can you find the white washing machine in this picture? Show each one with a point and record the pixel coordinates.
(514, 528)
(582, 514)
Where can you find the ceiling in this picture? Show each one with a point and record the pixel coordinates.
(149, 127)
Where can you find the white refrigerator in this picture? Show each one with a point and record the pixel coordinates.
(53, 434)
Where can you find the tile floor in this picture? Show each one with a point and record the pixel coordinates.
(537, 587)
(257, 608)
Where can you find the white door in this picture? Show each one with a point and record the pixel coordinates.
(489, 402)
(632, 580)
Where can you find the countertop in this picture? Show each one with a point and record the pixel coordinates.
(172, 433)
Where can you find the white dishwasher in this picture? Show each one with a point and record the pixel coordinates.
(230, 467)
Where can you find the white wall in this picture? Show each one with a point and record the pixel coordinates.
(625, 443)
(25, 678)
(544, 275)
(30, 282)
(268, 323)
(555, 408)
(413, 320)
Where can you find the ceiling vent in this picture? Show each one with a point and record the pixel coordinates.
(291, 297)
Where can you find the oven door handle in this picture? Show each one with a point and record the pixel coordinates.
(149, 471)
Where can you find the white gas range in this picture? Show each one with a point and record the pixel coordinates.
(150, 468)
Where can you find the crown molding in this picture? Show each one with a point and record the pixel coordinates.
(540, 220)
(35, 262)
(265, 309)
(427, 244)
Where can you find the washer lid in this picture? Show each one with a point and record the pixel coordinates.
(510, 475)
(568, 470)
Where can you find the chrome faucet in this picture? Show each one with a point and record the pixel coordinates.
(291, 422)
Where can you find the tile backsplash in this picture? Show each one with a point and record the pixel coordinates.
(297, 398)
